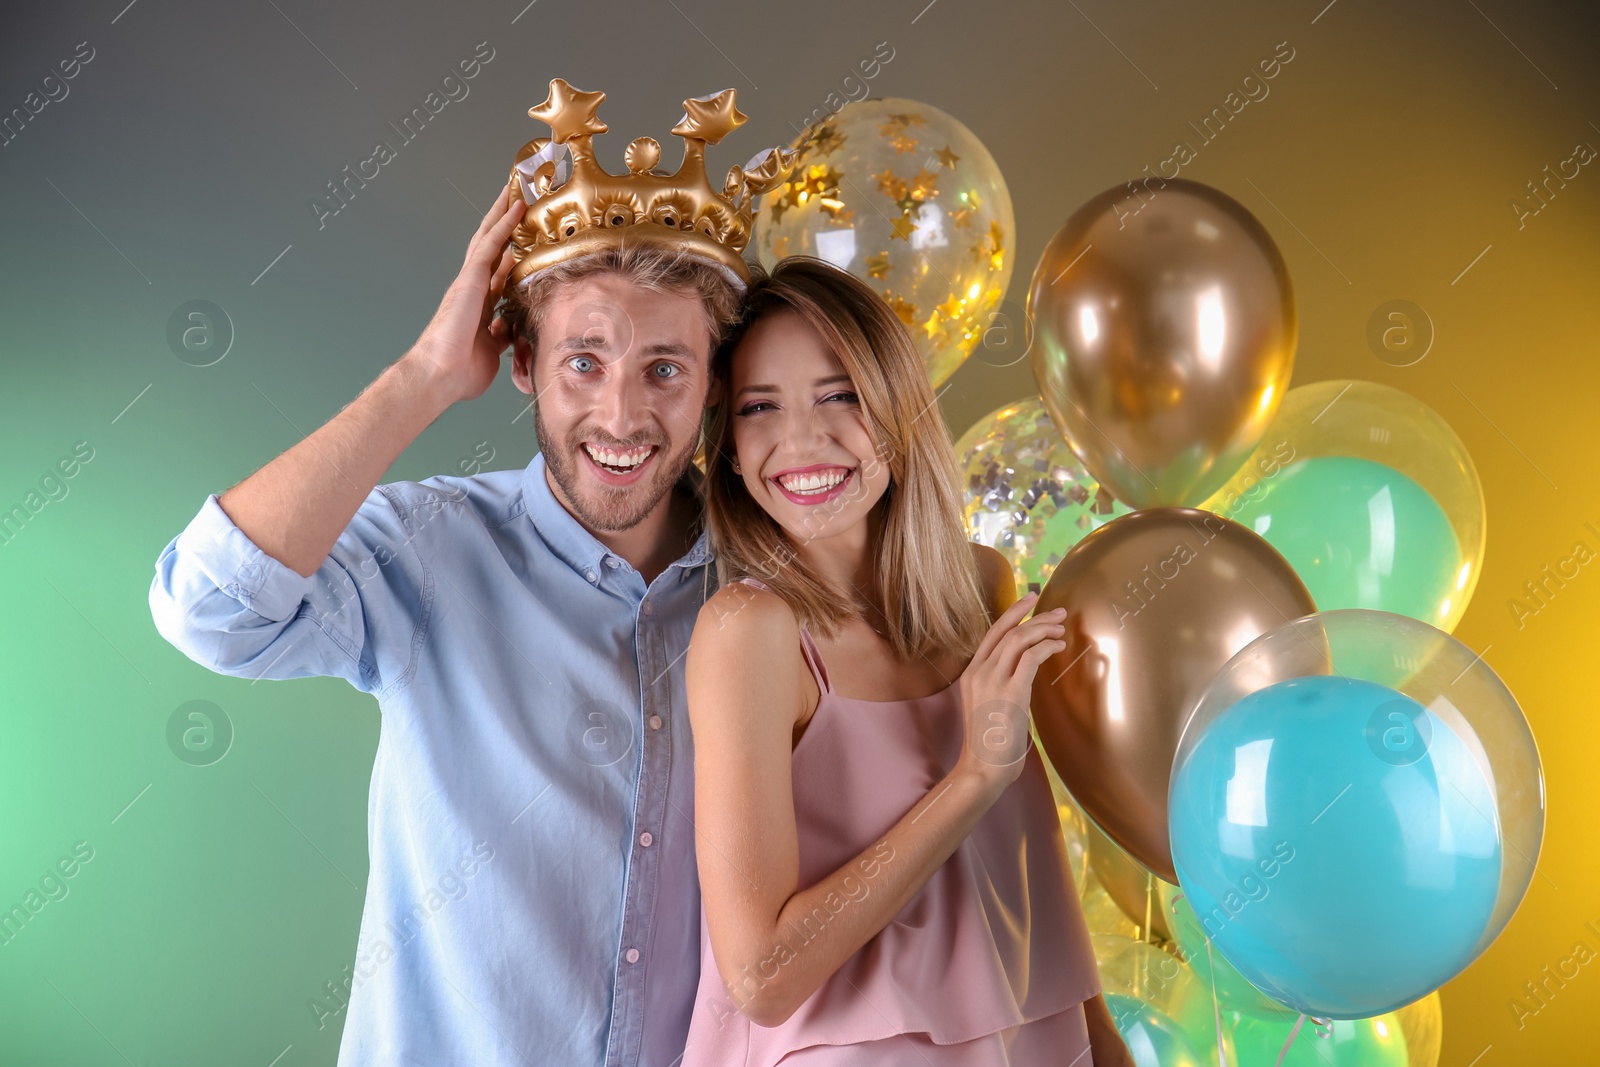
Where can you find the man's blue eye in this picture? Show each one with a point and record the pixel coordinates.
(575, 360)
(668, 367)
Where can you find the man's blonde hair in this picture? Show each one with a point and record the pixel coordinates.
(656, 269)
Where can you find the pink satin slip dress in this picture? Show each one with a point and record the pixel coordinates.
(988, 964)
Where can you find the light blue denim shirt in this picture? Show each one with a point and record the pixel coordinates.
(533, 896)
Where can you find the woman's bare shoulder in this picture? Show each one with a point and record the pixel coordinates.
(745, 647)
(740, 621)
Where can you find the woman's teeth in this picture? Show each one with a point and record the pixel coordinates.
(814, 484)
(619, 461)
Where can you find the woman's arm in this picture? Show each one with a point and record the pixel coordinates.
(776, 943)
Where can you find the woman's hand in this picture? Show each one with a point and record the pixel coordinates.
(996, 688)
(459, 350)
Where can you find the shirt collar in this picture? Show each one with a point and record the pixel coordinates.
(576, 546)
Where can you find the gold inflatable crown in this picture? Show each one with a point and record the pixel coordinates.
(575, 206)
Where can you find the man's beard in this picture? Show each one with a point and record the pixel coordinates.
(611, 508)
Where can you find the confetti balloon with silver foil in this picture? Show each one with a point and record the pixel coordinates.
(1026, 494)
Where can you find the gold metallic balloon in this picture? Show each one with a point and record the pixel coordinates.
(1163, 338)
(1025, 493)
(1157, 601)
(904, 197)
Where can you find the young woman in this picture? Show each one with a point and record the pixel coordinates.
(883, 876)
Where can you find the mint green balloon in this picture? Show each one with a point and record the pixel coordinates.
(1219, 977)
(1376, 1042)
(1360, 535)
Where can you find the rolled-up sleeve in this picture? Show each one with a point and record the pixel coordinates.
(230, 607)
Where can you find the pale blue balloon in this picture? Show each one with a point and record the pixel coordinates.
(1153, 1038)
(1339, 842)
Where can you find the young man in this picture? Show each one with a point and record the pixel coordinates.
(533, 895)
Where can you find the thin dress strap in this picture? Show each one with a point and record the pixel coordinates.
(808, 647)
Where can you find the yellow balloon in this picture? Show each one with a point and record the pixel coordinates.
(1101, 913)
(904, 197)
(1370, 496)
(1074, 824)
(1128, 882)
(1422, 1021)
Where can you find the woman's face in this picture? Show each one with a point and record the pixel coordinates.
(799, 432)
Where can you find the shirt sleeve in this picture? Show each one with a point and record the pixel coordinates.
(230, 607)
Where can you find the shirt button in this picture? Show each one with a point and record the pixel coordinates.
(611, 561)
(655, 722)
(633, 955)
(647, 607)
(645, 839)
(589, 575)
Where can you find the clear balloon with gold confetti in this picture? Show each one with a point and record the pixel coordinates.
(1026, 493)
(903, 196)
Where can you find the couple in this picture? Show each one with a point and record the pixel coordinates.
(673, 768)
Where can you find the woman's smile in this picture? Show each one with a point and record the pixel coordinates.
(815, 484)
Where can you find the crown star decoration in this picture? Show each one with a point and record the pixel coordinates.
(576, 207)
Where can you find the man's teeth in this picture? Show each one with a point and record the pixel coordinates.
(624, 460)
(819, 482)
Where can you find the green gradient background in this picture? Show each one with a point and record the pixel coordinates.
(224, 897)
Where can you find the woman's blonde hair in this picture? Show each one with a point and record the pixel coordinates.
(927, 577)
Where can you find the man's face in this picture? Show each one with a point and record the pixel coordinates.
(621, 382)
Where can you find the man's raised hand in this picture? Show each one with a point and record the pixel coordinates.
(459, 350)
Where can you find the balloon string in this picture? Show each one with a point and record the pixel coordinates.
(1298, 1023)
(1149, 891)
(1216, 1009)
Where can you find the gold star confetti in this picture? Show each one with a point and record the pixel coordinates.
(824, 140)
(780, 247)
(951, 308)
(947, 157)
(907, 312)
(878, 265)
(821, 179)
(779, 206)
(988, 247)
(836, 210)
(997, 239)
(903, 144)
(903, 121)
(924, 185)
(891, 185)
(902, 228)
(962, 216)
